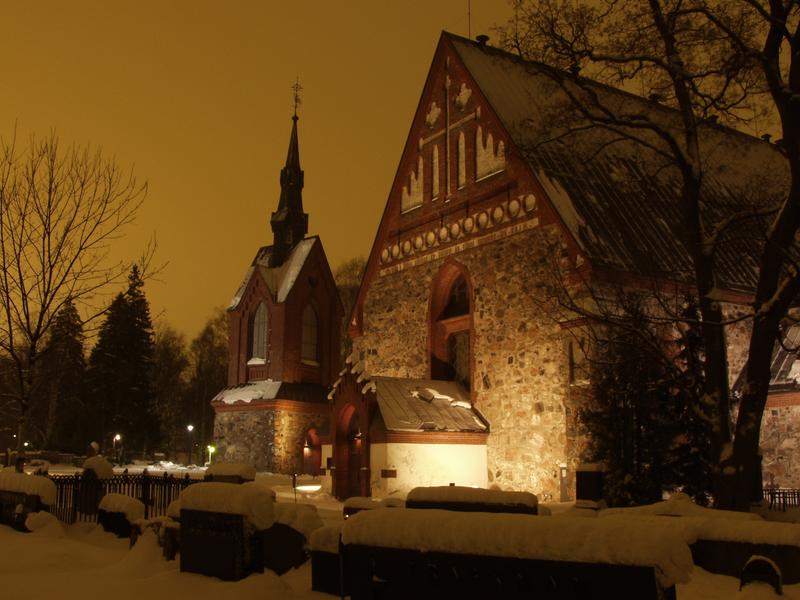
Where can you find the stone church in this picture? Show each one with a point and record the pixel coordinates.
(459, 373)
(454, 283)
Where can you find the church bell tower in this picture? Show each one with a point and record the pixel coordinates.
(289, 222)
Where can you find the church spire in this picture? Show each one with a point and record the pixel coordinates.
(289, 222)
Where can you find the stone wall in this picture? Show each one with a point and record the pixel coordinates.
(269, 439)
(520, 364)
(780, 446)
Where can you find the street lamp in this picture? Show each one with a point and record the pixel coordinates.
(114, 441)
(189, 429)
(211, 449)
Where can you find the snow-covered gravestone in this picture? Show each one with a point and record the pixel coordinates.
(467, 499)
(96, 470)
(284, 543)
(221, 525)
(493, 555)
(230, 472)
(31, 493)
(117, 512)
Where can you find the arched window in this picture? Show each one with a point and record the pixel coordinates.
(308, 351)
(451, 326)
(258, 346)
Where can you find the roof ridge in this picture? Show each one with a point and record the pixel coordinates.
(505, 54)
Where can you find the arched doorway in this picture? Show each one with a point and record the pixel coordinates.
(351, 455)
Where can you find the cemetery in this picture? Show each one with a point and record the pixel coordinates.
(231, 524)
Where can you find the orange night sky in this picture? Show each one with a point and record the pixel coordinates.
(196, 96)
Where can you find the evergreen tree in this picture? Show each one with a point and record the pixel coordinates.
(691, 462)
(208, 355)
(645, 419)
(170, 367)
(121, 371)
(61, 415)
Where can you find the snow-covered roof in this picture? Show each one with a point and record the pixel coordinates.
(426, 405)
(620, 205)
(247, 392)
(280, 280)
(268, 389)
(612, 541)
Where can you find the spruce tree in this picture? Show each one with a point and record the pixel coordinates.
(121, 371)
(62, 415)
(646, 419)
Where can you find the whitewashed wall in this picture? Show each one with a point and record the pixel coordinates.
(427, 464)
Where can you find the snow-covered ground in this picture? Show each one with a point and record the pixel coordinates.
(82, 561)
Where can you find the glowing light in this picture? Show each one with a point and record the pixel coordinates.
(190, 428)
(117, 437)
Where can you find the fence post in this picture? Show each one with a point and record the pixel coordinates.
(76, 494)
(146, 493)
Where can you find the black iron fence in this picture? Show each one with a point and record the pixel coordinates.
(782, 498)
(78, 496)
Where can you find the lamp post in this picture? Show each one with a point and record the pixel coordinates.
(189, 429)
(211, 449)
(114, 441)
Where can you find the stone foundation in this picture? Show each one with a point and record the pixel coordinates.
(269, 439)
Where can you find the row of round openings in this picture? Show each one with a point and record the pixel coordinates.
(467, 226)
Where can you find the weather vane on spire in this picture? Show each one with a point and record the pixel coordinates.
(297, 89)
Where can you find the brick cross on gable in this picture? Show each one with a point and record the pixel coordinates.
(449, 127)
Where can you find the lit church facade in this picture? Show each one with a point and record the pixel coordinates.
(462, 371)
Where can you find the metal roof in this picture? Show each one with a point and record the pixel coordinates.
(426, 405)
(621, 204)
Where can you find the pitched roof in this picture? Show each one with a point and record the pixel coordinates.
(280, 280)
(621, 205)
(426, 405)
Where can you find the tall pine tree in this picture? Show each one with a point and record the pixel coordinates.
(59, 414)
(121, 372)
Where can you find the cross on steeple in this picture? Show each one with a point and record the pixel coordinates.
(297, 101)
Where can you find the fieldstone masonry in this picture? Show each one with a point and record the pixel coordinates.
(780, 446)
(269, 439)
(520, 369)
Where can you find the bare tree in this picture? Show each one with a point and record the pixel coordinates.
(735, 62)
(60, 210)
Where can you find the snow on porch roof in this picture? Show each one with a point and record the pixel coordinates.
(426, 405)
